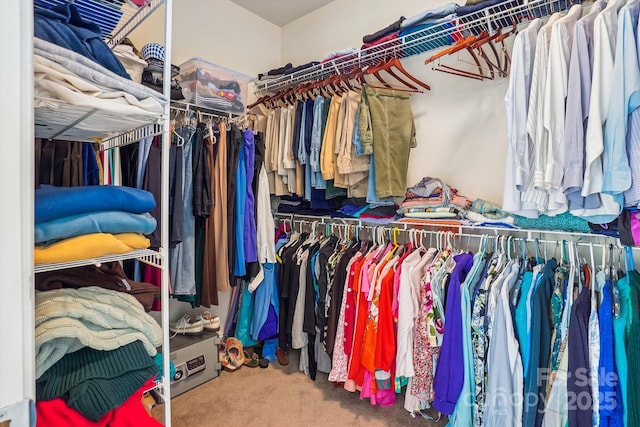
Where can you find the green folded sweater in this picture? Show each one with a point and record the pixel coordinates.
(93, 382)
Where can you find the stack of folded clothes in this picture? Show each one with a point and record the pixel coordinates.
(286, 70)
(432, 21)
(73, 223)
(389, 32)
(73, 65)
(379, 215)
(108, 275)
(432, 198)
(94, 358)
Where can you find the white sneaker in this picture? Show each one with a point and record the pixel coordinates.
(209, 321)
(184, 326)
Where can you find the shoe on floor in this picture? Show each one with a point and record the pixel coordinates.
(209, 321)
(283, 356)
(185, 326)
(223, 358)
(251, 360)
(235, 351)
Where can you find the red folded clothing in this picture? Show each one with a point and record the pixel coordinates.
(386, 40)
(55, 413)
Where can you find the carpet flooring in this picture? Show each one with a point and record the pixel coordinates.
(281, 396)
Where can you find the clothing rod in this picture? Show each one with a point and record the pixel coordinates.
(443, 236)
(189, 108)
(461, 230)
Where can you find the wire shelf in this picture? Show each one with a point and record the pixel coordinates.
(148, 256)
(56, 120)
(132, 17)
(491, 18)
(132, 136)
(206, 111)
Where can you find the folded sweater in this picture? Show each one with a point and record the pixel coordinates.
(132, 413)
(94, 382)
(67, 320)
(89, 246)
(59, 202)
(109, 275)
(94, 222)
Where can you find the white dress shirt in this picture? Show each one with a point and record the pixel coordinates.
(555, 94)
(625, 97)
(604, 35)
(517, 103)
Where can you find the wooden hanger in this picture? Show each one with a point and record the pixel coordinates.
(385, 66)
(461, 44)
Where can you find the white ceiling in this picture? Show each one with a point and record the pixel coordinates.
(281, 12)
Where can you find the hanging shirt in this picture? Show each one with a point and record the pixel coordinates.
(633, 348)
(463, 413)
(620, 340)
(577, 111)
(540, 347)
(604, 32)
(578, 363)
(505, 371)
(625, 98)
(516, 100)
(609, 388)
(535, 193)
(555, 93)
(449, 375)
(594, 346)
(404, 353)
(316, 144)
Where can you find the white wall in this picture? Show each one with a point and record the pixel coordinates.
(460, 123)
(218, 31)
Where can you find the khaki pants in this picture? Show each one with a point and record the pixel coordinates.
(386, 123)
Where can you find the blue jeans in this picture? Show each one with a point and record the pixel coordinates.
(181, 265)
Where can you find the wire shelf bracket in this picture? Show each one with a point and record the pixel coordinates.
(148, 256)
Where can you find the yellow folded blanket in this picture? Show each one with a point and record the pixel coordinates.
(89, 246)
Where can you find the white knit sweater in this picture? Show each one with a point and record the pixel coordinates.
(67, 320)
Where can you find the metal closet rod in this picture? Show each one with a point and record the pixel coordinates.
(203, 111)
(463, 231)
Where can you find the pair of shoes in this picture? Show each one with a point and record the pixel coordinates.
(209, 321)
(224, 359)
(251, 360)
(231, 354)
(185, 326)
(283, 356)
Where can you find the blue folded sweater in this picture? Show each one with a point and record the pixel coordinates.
(113, 222)
(59, 202)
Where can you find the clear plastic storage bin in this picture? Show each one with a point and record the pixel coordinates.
(215, 87)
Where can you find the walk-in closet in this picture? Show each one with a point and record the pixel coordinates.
(320, 213)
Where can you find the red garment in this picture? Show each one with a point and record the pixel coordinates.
(56, 413)
(353, 289)
(370, 342)
(386, 40)
(355, 375)
(151, 274)
(386, 339)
